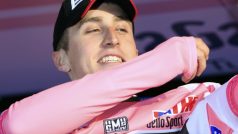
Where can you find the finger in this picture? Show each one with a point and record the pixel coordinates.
(202, 55)
(201, 63)
(186, 79)
(203, 46)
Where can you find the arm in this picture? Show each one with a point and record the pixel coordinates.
(66, 107)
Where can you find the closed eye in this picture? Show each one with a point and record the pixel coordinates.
(122, 30)
(93, 30)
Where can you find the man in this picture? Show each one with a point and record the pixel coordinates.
(94, 44)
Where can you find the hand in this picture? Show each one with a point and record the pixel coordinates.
(202, 57)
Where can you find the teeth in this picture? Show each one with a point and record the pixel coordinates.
(111, 59)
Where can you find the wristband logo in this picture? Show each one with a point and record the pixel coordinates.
(116, 125)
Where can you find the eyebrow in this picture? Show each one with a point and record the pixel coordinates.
(99, 19)
(92, 19)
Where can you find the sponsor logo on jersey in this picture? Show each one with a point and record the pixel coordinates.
(172, 118)
(166, 122)
(215, 130)
(116, 125)
(185, 105)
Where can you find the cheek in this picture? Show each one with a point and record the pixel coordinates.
(75, 57)
(132, 52)
(84, 57)
(79, 47)
(75, 52)
(130, 48)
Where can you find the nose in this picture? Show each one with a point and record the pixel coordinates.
(110, 39)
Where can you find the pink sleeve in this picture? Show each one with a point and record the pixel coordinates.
(66, 107)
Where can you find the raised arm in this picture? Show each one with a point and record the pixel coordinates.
(66, 107)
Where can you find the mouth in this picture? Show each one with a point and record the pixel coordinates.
(111, 59)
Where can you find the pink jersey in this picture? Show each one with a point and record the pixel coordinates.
(96, 103)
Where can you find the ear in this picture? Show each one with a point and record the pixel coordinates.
(61, 60)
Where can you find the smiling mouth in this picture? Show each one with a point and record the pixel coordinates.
(111, 59)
